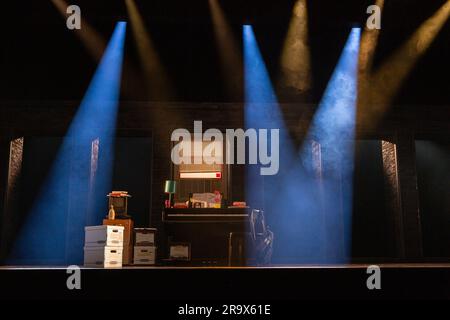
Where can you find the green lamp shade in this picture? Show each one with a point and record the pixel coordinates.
(170, 186)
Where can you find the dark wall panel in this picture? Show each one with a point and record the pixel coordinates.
(370, 229)
(133, 173)
(433, 171)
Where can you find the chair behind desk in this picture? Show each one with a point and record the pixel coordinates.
(254, 247)
(221, 236)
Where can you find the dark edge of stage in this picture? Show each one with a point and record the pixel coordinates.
(402, 281)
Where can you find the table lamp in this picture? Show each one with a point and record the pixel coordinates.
(170, 188)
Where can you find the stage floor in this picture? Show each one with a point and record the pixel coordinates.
(278, 266)
(287, 282)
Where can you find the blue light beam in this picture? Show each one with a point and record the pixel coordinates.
(261, 110)
(261, 105)
(282, 196)
(333, 127)
(309, 214)
(74, 192)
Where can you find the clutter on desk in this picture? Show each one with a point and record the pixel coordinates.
(181, 205)
(238, 204)
(206, 200)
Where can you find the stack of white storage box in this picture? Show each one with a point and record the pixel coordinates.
(103, 246)
(144, 246)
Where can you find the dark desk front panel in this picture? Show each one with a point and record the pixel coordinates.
(207, 230)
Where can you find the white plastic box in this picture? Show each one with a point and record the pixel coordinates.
(144, 255)
(104, 236)
(103, 257)
(144, 237)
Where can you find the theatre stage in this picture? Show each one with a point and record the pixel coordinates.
(398, 281)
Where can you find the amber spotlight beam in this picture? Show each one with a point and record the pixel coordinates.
(154, 71)
(369, 41)
(229, 52)
(93, 41)
(386, 81)
(295, 57)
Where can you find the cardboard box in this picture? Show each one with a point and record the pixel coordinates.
(127, 224)
(144, 255)
(103, 257)
(101, 236)
(180, 251)
(128, 229)
(145, 237)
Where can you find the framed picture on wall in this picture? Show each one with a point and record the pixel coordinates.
(201, 174)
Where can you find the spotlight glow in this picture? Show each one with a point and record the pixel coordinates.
(295, 58)
(154, 71)
(311, 198)
(73, 194)
(333, 127)
(94, 42)
(228, 50)
(282, 196)
(369, 41)
(261, 103)
(261, 108)
(387, 80)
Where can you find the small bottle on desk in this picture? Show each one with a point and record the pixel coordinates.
(111, 213)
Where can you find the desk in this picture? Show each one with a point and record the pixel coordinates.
(207, 215)
(207, 230)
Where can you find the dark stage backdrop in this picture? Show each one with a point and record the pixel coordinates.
(133, 173)
(24, 246)
(371, 229)
(433, 173)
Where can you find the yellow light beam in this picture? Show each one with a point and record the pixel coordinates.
(93, 41)
(386, 82)
(295, 57)
(228, 50)
(95, 45)
(155, 74)
(369, 41)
